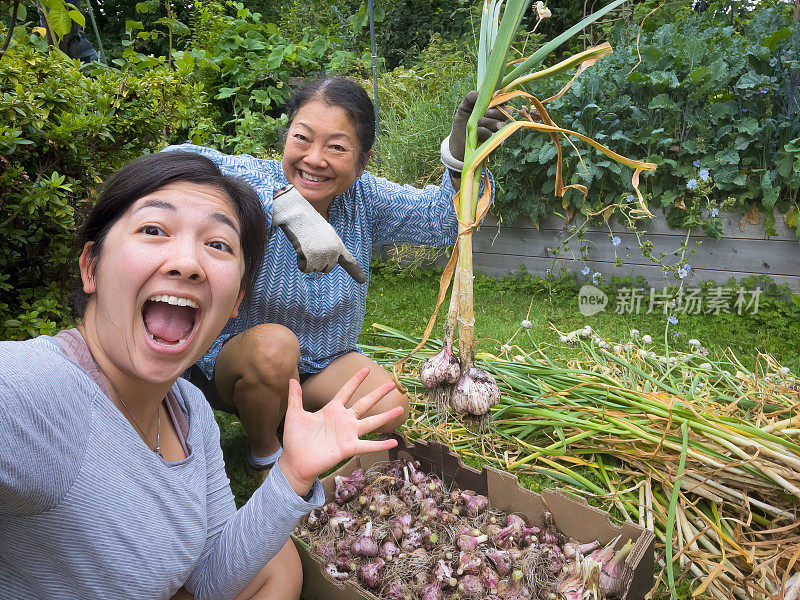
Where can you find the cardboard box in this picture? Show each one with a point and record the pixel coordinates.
(573, 518)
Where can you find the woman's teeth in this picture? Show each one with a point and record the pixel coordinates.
(175, 301)
(161, 342)
(313, 177)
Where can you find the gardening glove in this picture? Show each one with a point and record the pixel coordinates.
(319, 249)
(453, 145)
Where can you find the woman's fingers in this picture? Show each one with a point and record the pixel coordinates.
(372, 422)
(349, 388)
(363, 405)
(295, 395)
(365, 446)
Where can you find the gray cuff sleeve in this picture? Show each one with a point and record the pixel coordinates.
(314, 499)
(448, 160)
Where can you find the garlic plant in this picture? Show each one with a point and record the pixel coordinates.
(476, 391)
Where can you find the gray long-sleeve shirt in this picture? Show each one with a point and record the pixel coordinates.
(87, 510)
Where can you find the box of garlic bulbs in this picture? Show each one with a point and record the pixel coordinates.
(416, 523)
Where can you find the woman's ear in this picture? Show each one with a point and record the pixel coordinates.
(86, 263)
(364, 163)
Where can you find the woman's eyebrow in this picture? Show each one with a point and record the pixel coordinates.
(219, 217)
(163, 204)
(225, 219)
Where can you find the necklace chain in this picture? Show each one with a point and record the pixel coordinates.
(157, 448)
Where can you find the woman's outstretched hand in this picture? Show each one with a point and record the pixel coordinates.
(313, 442)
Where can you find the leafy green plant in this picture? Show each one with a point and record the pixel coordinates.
(245, 65)
(406, 27)
(62, 130)
(720, 97)
(416, 106)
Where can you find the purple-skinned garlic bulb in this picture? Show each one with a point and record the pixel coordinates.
(348, 487)
(443, 367)
(501, 559)
(443, 572)
(432, 591)
(335, 573)
(371, 573)
(475, 393)
(394, 590)
(365, 544)
(611, 572)
(471, 586)
(389, 550)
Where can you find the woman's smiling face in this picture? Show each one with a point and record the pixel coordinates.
(168, 277)
(322, 155)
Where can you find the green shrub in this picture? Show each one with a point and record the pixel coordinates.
(63, 128)
(404, 28)
(246, 65)
(694, 93)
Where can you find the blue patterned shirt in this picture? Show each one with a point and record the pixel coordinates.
(326, 310)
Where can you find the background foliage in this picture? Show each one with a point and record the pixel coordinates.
(63, 129)
(694, 92)
(713, 91)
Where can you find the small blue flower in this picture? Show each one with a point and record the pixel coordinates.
(665, 273)
(703, 174)
(714, 211)
(585, 270)
(745, 110)
(696, 163)
(596, 276)
(673, 319)
(615, 240)
(683, 272)
(629, 198)
(692, 184)
(765, 91)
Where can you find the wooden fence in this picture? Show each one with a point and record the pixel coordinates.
(739, 253)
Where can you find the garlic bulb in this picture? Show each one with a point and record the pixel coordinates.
(475, 393)
(440, 368)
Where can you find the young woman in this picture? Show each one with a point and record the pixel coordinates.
(112, 483)
(306, 324)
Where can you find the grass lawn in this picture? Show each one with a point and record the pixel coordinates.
(405, 300)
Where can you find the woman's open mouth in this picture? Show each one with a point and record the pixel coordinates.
(169, 320)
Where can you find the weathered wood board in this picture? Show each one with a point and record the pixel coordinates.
(499, 250)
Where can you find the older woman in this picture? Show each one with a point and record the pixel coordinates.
(112, 483)
(330, 211)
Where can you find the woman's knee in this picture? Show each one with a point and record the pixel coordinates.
(275, 346)
(264, 354)
(280, 579)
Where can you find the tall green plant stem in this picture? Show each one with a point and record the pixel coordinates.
(462, 287)
(470, 180)
(512, 15)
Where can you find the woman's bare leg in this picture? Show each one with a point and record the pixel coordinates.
(280, 579)
(321, 387)
(252, 374)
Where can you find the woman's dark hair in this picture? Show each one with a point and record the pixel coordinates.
(150, 173)
(347, 95)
